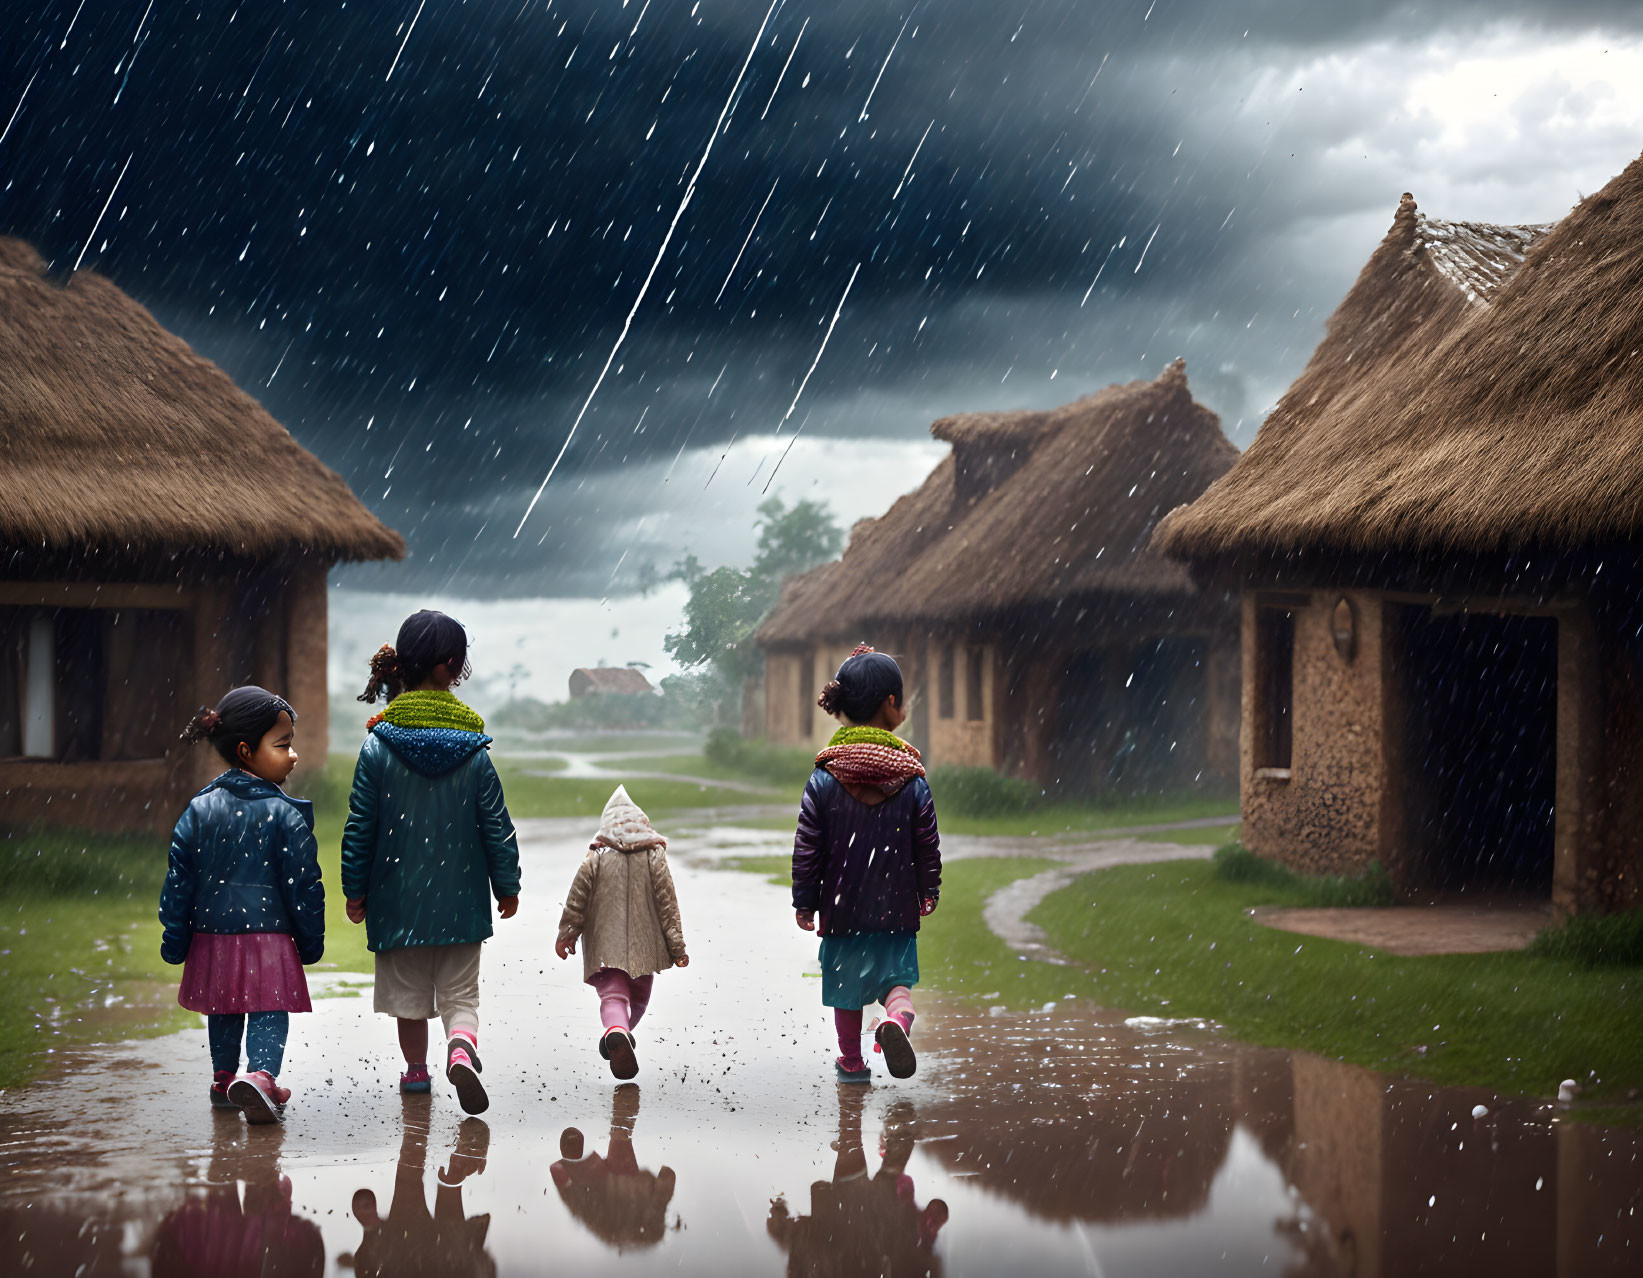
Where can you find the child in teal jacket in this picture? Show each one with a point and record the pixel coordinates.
(428, 842)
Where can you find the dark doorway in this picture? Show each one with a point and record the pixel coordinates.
(1131, 721)
(1481, 761)
(1162, 737)
(1079, 730)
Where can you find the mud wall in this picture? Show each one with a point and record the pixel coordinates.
(251, 623)
(1330, 814)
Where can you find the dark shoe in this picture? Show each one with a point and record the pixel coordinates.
(616, 1046)
(852, 1070)
(259, 1098)
(892, 1040)
(460, 1071)
(219, 1089)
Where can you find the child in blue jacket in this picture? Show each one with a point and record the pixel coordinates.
(243, 907)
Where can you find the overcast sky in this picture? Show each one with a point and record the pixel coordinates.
(417, 230)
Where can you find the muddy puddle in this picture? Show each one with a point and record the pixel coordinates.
(1060, 1141)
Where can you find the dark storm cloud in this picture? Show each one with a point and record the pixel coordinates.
(417, 243)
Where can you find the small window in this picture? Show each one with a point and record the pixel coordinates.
(1274, 687)
(975, 684)
(807, 695)
(945, 678)
(83, 684)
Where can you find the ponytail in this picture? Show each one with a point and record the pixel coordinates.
(865, 679)
(385, 680)
(244, 714)
(426, 639)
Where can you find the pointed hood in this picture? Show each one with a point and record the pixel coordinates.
(624, 826)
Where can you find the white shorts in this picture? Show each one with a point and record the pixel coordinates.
(417, 982)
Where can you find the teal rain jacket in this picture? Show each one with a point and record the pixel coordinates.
(428, 839)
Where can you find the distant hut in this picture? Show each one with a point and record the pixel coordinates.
(591, 681)
(1436, 534)
(1039, 633)
(163, 538)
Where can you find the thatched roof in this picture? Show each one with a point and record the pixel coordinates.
(1438, 416)
(603, 679)
(835, 599)
(1030, 508)
(114, 433)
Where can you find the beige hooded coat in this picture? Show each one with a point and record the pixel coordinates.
(621, 903)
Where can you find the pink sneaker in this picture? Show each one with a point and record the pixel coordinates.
(462, 1071)
(260, 1099)
(852, 1069)
(219, 1089)
(416, 1080)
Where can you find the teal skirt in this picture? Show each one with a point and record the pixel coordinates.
(861, 969)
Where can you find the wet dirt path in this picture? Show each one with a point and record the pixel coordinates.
(1061, 1141)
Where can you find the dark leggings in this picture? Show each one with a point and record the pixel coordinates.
(264, 1040)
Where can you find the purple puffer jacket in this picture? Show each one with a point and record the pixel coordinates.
(865, 868)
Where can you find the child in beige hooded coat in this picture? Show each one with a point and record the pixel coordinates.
(623, 909)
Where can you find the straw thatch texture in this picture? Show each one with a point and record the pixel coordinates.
(1075, 513)
(1030, 507)
(114, 433)
(1460, 427)
(622, 680)
(836, 598)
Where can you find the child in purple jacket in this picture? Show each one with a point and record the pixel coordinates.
(867, 862)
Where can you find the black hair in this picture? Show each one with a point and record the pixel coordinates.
(426, 639)
(863, 682)
(244, 714)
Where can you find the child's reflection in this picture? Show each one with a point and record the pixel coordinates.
(217, 1234)
(858, 1223)
(622, 1204)
(410, 1240)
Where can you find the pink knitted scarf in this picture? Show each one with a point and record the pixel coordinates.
(886, 767)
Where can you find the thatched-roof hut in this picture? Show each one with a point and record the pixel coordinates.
(1041, 633)
(592, 681)
(163, 538)
(1436, 533)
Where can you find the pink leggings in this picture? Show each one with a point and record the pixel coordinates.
(622, 998)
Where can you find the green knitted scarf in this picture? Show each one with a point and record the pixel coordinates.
(430, 709)
(866, 736)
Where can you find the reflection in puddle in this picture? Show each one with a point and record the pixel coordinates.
(861, 1223)
(411, 1240)
(240, 1223)
(1048, 1143)
(624, 1205)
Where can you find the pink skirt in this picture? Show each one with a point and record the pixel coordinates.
(249, 972)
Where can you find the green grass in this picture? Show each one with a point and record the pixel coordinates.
(775, 869)
(1177, 940)
(1234, 863)
(1613, 940)
(1212, 836)
(79, 944)
(1063, 822)
(530, 796)
(596, 742)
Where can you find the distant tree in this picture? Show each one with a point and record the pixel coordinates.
(727, 604)
(792, 540)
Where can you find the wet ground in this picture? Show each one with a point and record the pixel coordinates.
(1066, 1140)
